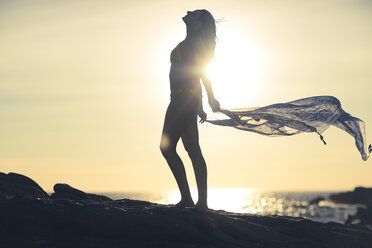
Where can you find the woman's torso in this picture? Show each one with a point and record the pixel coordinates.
(185, 68)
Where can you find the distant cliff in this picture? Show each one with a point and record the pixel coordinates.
(73, 218)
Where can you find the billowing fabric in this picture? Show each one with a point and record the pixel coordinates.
(313, 114)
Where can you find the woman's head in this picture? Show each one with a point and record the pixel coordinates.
(202, 23)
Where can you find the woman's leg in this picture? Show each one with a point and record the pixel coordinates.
(173, 127)
(190, 140)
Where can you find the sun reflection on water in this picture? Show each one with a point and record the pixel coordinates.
(241, 200)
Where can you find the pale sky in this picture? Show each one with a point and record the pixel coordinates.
(84, 88)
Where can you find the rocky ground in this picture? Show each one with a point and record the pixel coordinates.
(72, 218)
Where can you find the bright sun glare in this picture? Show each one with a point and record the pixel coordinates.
(237, 69)
(228, 199)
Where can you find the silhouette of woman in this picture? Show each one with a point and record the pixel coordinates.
(188, 62)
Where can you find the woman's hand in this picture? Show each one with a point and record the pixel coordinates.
(215, 105)
(202, 115)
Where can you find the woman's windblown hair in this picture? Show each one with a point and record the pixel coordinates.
(207, 32)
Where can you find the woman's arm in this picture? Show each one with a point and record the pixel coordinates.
(215, 105)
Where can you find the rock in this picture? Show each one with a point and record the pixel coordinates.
(316, 200)
(13, 184)
(362, 217)
(99, 197)
(125, 223)
(73, 218)
(360, 195)
(65, 191)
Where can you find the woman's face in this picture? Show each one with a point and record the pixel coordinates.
(193, 19)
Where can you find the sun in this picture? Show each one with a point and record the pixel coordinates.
(237, 69)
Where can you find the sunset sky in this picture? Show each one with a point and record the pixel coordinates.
(84, 88)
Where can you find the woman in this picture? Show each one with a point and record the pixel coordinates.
(188, 62)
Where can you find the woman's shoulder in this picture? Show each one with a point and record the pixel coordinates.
(189, 49)
(182, 51)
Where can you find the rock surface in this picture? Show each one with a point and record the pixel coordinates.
(65, 191)
(92, 222)
(360, 195)
(51, 222)
(13, 184)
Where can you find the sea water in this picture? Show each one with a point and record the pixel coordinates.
(239, 200)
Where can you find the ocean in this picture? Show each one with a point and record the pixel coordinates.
(240, 200)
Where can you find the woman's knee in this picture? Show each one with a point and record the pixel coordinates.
(166, 147)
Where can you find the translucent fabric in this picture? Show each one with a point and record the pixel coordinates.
(313, 114)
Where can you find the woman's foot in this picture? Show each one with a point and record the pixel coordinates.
(185, 203)
(201, 205)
